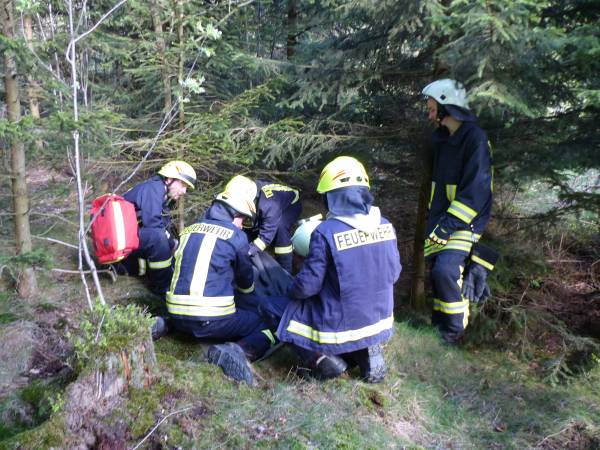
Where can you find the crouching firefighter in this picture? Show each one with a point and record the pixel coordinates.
(277, 209)
(153, 200)
(211, 294)
(459, 208)
(341, 307)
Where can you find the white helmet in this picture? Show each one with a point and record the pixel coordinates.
(301, 237)
(447, 92)
(239, 194)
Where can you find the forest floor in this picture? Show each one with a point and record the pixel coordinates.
(498, 390)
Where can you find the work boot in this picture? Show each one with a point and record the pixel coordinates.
(371, 364)
(326, 367)
(160, 328)
(450, 338)
(232, 360)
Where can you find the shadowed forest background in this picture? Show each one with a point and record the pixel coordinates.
(98, 95)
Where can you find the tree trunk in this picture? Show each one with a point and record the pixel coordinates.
(292, 20)
(161, 47)
(418, 298)
(33, 87)
(26, 283)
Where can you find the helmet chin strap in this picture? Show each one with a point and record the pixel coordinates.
(442, 113)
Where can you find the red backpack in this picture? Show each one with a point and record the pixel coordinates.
(115, 230)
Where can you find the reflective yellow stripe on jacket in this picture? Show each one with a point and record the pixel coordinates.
(197, 305)
(339, 337)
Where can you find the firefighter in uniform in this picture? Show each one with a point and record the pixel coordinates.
(211, 293)
(341, 308)
(459, 208)
(277, 209)
(153, 200)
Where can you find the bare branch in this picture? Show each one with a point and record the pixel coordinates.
(158, 424)
(56, 241)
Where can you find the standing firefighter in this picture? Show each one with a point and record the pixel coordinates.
(277, 209)
(153, 200)
(211, 294)
(459, 208)
(342, 298)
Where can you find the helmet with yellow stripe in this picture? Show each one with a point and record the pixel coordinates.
(239, 194)
(343, 171)
(179, 170)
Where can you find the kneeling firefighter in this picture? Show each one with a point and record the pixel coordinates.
(277, 209)
(153, 200)
(341, 307)
(211, 294)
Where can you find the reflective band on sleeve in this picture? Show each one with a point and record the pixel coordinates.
(259, 243)
(450, 192)
(482, 262)
(160, 264)
(246, 290)
(461, 240)
(269, 336)
(339, 337)
(141, 267)
(462, 211)
(283, 250)
(461, 307)
(119, 225)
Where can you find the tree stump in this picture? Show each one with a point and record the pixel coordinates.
(100, 389)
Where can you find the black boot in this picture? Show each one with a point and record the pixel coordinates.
(329, 366)
(231, 358)
(160, 328)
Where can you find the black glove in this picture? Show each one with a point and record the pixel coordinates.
(475, 287)
(253, 250)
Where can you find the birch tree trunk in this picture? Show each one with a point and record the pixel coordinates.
(26, 283)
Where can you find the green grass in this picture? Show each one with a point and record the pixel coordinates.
(433, 397)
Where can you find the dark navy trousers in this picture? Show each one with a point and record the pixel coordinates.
(450, 311)
(152, 259)
(246, 327)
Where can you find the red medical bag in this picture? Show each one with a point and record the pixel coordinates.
(115, 230)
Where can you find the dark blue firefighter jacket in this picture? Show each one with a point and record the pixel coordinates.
(461, 187)
(344, 291)
(273, 200)
(151, 203)
(211, 262)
